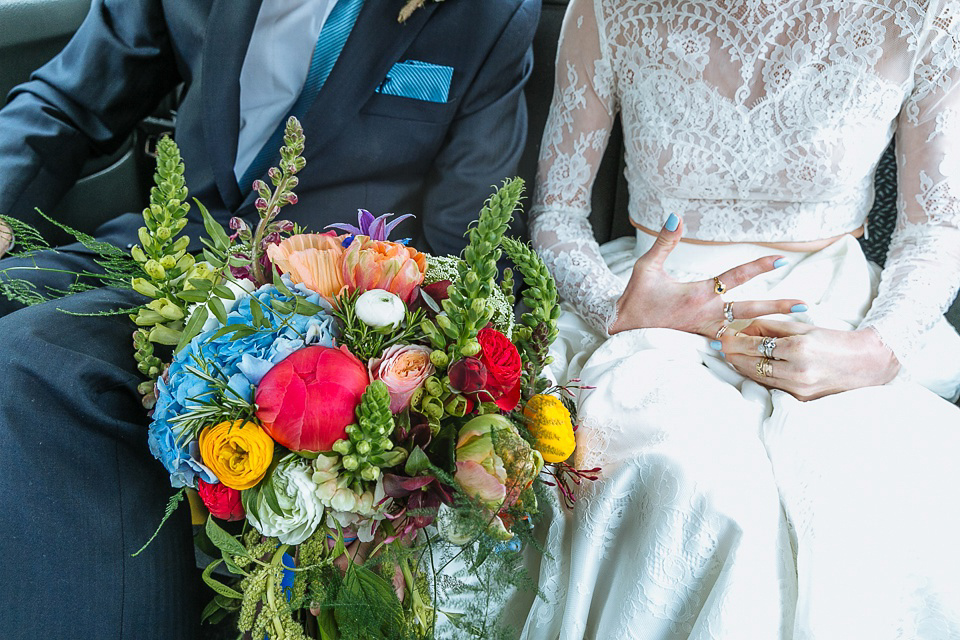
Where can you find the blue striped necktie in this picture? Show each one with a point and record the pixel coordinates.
(333, 35)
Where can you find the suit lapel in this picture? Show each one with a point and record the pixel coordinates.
(230, 22)
(375, 43)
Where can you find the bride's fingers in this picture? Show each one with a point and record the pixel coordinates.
(756, 308)
(772, 373)
(747, 271)
(756, 347)
(666, 241)
(776, 328)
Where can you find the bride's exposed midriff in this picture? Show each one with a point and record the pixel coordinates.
(811, 245)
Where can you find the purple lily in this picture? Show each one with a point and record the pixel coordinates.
(375, 228)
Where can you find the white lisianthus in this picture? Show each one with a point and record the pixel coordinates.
(301, 511)
(380, 309)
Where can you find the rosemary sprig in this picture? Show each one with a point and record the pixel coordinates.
(220, 404)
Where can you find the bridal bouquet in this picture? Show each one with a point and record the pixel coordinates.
(351, 412)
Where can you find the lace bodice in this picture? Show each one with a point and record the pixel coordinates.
(760, 121)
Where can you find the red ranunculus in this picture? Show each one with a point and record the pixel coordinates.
(504, 366)
(222, 501)
(306, 401)
(467, 375)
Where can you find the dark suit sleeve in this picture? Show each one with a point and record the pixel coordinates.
(86, 100)
(485, 139)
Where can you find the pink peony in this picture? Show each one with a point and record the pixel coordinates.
(306, 401)
(404, 369)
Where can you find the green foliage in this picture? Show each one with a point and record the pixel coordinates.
(540, 321)
(117, 267)
(220, 404)
(367, 607)
(468, 309)
(172, 505)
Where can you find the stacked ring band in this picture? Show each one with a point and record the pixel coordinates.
(766, 347)
(728, 312)
(718, 286)
(764, 368)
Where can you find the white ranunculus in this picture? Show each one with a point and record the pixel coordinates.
(380, 309)
(301, 511)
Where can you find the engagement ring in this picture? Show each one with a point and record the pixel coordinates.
(728, 312)
(766, 347)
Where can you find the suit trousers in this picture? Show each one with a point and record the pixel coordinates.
(80, 492)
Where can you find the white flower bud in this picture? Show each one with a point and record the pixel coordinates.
(344, 500)
(380, 309)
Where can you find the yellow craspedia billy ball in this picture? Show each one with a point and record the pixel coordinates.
(551, 427)
(238, 453)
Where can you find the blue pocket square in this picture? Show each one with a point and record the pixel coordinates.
(418, 80)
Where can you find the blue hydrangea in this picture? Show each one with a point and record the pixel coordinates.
(243, 361)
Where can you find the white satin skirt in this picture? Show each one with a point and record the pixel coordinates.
(726, 510)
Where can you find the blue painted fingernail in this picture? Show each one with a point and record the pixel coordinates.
(672, 222)
(780, 262)
(716, 344)
(798, 308)
(723, 355)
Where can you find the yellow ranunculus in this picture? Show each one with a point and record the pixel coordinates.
(551, 427)
(238, 453)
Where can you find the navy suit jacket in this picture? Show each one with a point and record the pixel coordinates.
(364, 149)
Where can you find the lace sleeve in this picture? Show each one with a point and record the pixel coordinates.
(922, 272)
(576, 134)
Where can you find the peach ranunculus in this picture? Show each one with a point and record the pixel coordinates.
(376, 264)
(404, 369)
(239, 453)
(312, 259)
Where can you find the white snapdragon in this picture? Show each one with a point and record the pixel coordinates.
(380, 309)
(346, 508)
(301, 511)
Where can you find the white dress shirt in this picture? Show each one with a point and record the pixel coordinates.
(275, 68)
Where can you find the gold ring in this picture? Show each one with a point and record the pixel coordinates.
(718, 286)
(722, 330)
(728, 312)
(763, 367)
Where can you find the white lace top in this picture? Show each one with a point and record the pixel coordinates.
(760, 121)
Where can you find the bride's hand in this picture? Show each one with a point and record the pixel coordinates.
(810, 362)
(654, 299)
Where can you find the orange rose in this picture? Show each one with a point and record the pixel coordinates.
(375, 264)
